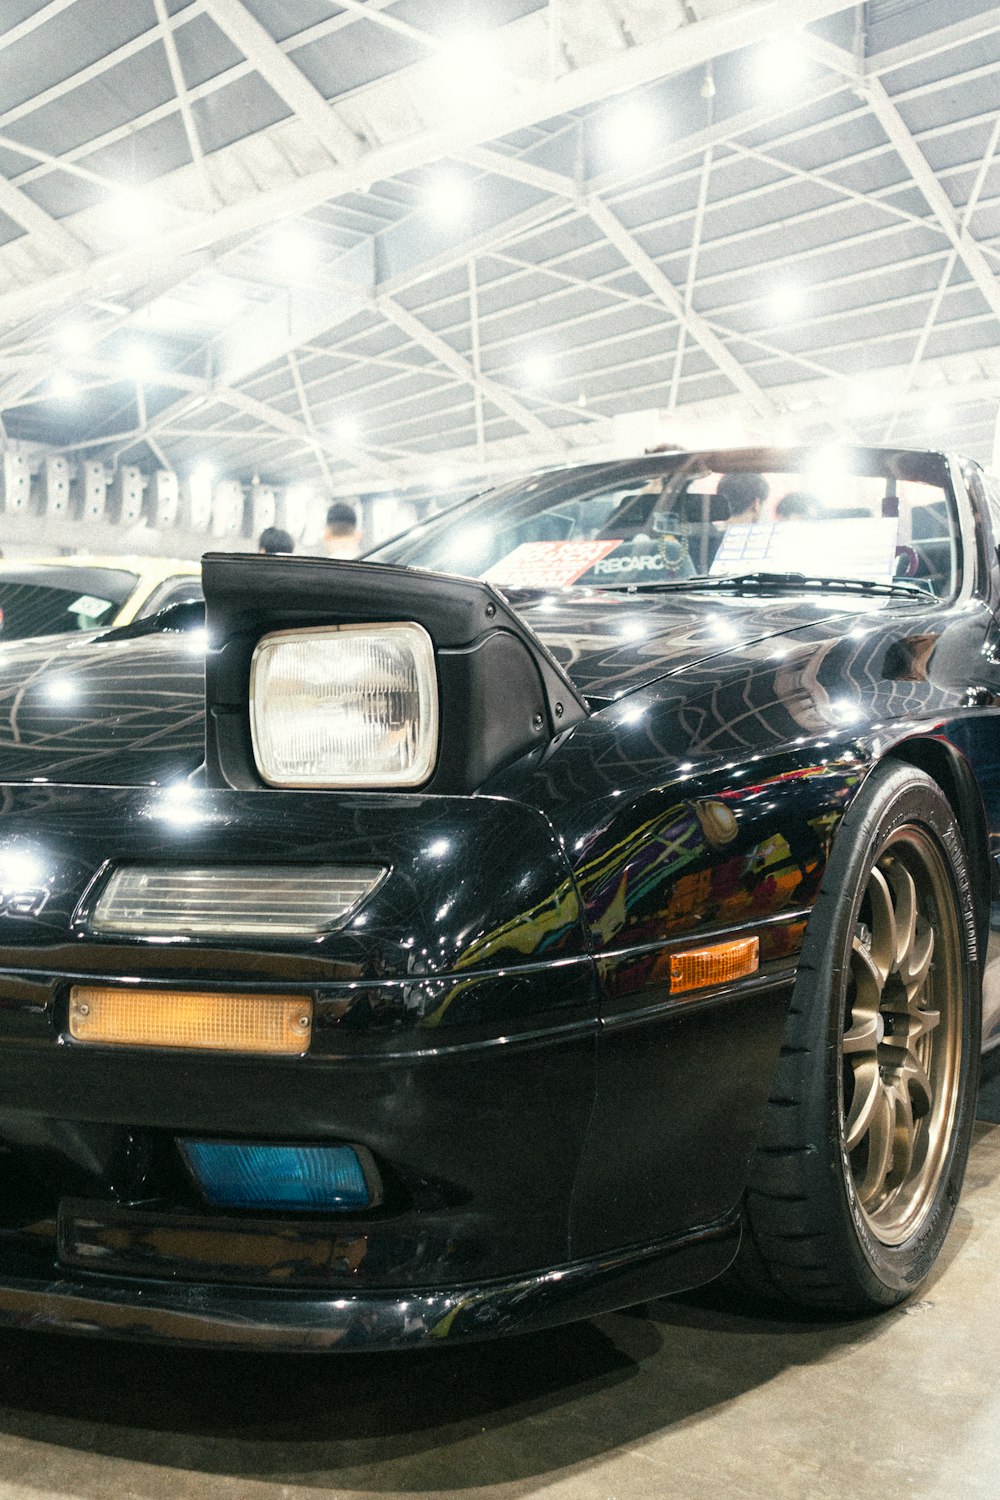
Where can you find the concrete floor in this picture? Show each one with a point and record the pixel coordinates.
(694, 1397)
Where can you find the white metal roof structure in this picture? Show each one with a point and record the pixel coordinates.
(351, 241)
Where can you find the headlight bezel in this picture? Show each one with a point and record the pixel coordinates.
(502, 693)
(418, 642)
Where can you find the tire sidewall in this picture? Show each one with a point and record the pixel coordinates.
(891, 797)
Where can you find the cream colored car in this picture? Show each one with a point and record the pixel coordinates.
(60, 595)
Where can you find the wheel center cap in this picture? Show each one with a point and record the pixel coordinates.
(879, 1028)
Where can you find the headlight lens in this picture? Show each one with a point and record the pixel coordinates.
(345, 706)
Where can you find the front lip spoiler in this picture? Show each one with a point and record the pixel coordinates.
(227, 1317)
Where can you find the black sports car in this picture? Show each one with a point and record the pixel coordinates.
(592, 888)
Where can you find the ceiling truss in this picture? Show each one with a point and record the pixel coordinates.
(397, 304)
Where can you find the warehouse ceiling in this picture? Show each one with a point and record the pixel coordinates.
(362, 243)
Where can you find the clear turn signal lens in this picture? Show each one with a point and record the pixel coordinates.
(231, 900)
(345, 706)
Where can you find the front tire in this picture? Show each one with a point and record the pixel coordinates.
(866, 1135)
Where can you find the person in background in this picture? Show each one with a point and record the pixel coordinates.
(744, 494)
(739, 497)
(798, 505)
(274, 540)
(342, 537)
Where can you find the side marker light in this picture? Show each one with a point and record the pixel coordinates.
(697, 968)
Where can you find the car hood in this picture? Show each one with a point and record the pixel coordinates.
(102, 709)
(611, 644)
(120, 710)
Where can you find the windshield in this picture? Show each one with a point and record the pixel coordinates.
(871, 516)
(54, 601)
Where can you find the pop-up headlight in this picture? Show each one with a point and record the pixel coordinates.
(329, 674)
(345, 706)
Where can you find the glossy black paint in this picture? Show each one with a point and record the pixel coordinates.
(556, 1131)
(475, 1091)
(102, 710)
(270, 1319)
(501, 692)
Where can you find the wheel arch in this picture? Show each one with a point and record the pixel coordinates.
(810, 1236)
(951, 771)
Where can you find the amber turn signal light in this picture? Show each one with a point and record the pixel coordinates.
(277, 1024)
(719, 964)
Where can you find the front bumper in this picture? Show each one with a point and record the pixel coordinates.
(226, 1317)
(526, 1145)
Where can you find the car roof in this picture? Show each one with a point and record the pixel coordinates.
(153, 568)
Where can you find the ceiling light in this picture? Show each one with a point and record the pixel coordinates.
(74, 338)
(137, 362)
(780, 65)
(346, 431)
(225, 305)
(465, 70)
(220, 302)
(204, 472)
(785, 300)
(448, 197)
(134, 212)
(632, 129)
(63, 386)
(292, 251)
(537, 369)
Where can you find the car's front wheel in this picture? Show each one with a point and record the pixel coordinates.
(864, 1145)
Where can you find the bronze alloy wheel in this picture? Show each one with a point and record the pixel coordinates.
(866, 1133)
(902, 1044)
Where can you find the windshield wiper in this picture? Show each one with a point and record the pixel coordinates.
(762, 582)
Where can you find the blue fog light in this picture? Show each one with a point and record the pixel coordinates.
(232, 1174)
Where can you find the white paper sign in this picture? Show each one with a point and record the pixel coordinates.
(853, 548)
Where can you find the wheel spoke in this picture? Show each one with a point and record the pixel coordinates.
(914, 1080)
(883, 946)
(910, 1025)
(881, 1139)
(868, 978)
(905, 906)
(903, 1132)
(862, 1035)
(917, 961)
(867, 1091)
